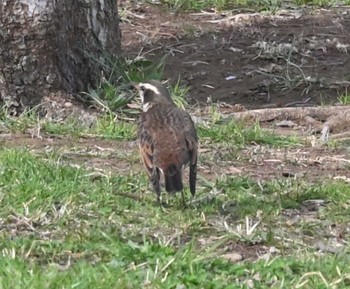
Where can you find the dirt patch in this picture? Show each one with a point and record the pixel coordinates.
(262, 163)
(235, 251)
(99, 155)
(307, 163)
(247, 251)
(257, 162)
(292, 58)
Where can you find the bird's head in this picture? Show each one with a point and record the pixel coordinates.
(153, 92)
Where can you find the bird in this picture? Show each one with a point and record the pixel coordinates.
(168, 139)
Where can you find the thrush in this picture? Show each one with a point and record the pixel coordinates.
(167, 139)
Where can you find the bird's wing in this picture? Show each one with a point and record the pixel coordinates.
(192, 146)
(191, 137)
(146, 149)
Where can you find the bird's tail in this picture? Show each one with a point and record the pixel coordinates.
(193, 177)
(173, 179)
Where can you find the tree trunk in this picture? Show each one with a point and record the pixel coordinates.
(53, 45)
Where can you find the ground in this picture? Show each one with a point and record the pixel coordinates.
(292, 58)
(272, 203)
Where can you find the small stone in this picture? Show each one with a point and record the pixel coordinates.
(286, 123)
(233, 257)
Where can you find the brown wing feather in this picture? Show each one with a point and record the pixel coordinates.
(192, 146)
(146, 147)
(146, 152)
(191, 138)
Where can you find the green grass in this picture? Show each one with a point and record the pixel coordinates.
(113, 92)
(344, 98)
(108, 126)
(194, 5)
(319, 3)
(187, 273)
(20, 123)
(239, 134)
(65, 227)
(105, 126)
(178, 93)
(255, 5)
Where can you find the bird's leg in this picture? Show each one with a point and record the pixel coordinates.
(155, 183)
(156, 188)
(183, 198)
(159, 201)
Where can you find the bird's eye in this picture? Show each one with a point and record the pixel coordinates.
(142, 88)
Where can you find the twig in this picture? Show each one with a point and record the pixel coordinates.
(297, 102)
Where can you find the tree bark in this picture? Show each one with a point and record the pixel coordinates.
(53, 45)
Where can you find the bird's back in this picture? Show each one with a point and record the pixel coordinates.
(166, 126)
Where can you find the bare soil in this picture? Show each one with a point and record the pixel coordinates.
(105, 156)
(257, 162)
(295, 57)
(291, 58)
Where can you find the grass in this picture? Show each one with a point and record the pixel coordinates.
(179, 93)
(344, 98)
(66, 227)
(319, 3)
(239, 134)
(105, 126)
(74, 217)
(193, 5)
(108, 126)
(113, 92)
(201, 273)
(260, 5)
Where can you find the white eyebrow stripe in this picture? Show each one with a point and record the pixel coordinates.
(150, 87)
